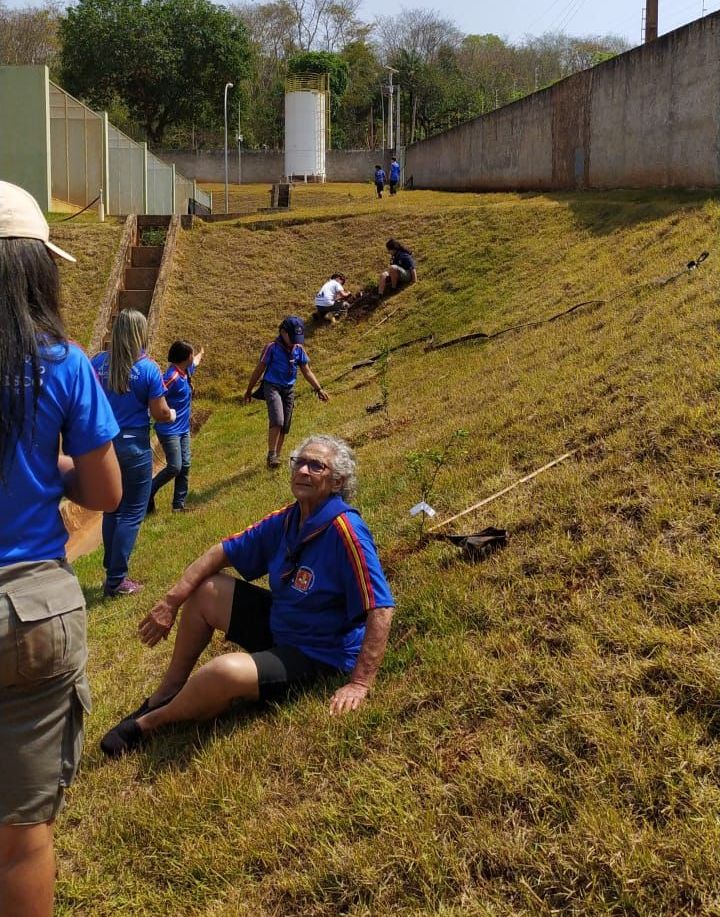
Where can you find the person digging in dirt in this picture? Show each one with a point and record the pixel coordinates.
(402, 267)
(278, 366)
(331, 297)
(327, 612)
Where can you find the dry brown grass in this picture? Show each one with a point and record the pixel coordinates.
(544, 736)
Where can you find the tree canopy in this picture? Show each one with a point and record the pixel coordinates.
(159, 66)
(167, 61)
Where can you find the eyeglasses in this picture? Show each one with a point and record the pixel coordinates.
(314, 466)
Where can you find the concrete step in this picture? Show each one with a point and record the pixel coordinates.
(146, 255)
(135, 299)
(140, 278)
(148, 221)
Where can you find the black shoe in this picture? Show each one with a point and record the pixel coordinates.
(146, 708)
(123, 738)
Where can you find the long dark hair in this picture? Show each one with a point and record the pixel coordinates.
(392, 245)
(29, 318)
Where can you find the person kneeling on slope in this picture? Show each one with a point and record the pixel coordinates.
(278, 366)
(330, 298)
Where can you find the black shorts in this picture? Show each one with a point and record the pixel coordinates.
(278, 667)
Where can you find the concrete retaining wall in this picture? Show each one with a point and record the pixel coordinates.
(267, 166)
(647, 118)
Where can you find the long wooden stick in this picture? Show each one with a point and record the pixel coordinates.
(528, 477)
(382, 321)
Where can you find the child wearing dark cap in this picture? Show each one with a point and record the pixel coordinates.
(278, 366)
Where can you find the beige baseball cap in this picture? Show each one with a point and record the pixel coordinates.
(22, 218)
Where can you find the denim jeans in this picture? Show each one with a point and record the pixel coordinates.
(120, 529)
(177, 455)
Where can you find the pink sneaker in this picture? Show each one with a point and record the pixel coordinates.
(126, 587)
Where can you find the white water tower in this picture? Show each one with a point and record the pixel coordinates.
(307, 126)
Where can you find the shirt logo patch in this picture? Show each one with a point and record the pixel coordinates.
(304, 579)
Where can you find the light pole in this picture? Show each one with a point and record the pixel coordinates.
(227, 86)
(239, 143)
(391, 144)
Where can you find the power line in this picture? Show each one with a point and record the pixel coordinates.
(571, 15)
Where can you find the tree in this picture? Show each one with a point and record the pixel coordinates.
(166, 60)
(29, 36)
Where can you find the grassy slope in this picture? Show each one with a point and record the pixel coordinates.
(543, 737)
(94, 245)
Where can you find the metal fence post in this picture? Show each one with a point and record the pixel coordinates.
(172, 190)
(106, 161)
(145, 177)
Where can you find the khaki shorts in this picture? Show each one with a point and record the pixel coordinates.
(43, 688)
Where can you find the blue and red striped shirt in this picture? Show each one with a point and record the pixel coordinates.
(322, 595)
(178, 396)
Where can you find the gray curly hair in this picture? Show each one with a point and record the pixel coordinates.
(342, 460)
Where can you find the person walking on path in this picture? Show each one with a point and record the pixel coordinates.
(394, 175)
(49, 395)
(330, 297)
(327, 612)
(278, 366)
(379, 180)
(174, 436)
(402, 267)
(134, 385)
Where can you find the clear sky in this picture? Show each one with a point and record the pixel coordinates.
(514, 19)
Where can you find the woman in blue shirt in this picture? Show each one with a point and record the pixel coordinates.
(278, 366)
(175, 436)
(134, 385)
(49, 395)
(327, 612)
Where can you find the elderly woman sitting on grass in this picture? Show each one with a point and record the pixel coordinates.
(327, 612)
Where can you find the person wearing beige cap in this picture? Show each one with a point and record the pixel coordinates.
(49, 396)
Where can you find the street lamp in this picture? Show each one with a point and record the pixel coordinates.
(391, 144)
(227, 86)
(239, 142)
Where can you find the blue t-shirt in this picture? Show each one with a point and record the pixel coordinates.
(404, 260)
(281, 364)
(321, 605)
(394, 171)
(178, 396)
(71, 406)
(146, 382)
(379, 176)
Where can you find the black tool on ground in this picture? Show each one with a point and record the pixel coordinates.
(479, 545)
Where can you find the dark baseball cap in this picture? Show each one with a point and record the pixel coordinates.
(295, 328)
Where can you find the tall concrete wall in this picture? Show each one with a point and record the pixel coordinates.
(267, 165)
(647, 118)
(25, 130)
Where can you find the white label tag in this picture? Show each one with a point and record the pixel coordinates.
(423, 507)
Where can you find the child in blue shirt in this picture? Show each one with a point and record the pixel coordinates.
(175, 436)
(379, 180)
(394, 175)
(278, 368)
